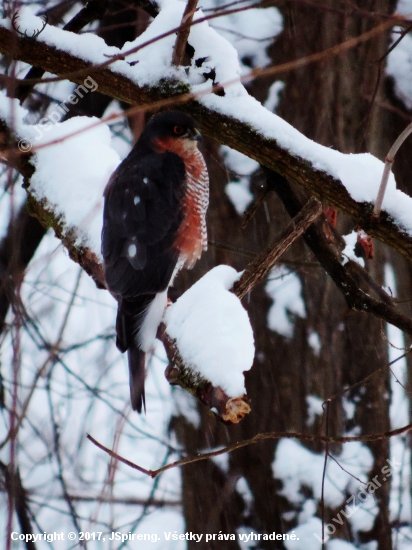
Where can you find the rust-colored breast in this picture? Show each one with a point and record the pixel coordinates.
(191, 238)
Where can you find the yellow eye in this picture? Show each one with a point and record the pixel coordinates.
(178, 130)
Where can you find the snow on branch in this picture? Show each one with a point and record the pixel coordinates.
(347, 182)
(206, 333)
(208, 340)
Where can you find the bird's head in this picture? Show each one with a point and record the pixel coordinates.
(172, 131)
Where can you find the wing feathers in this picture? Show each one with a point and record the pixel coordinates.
(142, 210)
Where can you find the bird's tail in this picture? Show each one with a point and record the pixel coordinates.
(131, 314)
(137, 375)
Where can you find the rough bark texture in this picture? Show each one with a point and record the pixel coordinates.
(227, 130)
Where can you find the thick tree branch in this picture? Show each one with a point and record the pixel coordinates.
(226, 129)
(230, 410)
(355, 298)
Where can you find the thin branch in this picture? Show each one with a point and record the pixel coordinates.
(93, 10)
(252, 441)
(389, 160)
(258, 270)
(347, 471)
(183, 33)
(13, 483)
(325, 463)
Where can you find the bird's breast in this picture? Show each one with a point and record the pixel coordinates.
(191, 237)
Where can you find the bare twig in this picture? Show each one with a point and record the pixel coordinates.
(258, 270)
(325, 463)
(183, 32)
(94, 10)
(389, 160)
(252, 441)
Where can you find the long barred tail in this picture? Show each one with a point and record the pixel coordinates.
(137, 375)
(131, 315)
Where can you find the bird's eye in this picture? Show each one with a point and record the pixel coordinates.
(178, 130)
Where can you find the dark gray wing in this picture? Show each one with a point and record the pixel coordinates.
(141, 217)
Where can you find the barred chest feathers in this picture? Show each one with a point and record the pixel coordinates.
(191, 239)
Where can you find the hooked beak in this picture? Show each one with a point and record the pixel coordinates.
(196, 135)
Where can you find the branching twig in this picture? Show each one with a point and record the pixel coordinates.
(251, 441)
(258, 270)
(93, 10)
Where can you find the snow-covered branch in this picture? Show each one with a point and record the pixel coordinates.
(348, 182)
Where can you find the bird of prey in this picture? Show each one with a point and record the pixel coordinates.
(154, 224)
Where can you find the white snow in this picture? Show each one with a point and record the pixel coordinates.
(238, 191)
(315, 408)
(399, 66)
(239, 194)
(72, 174)
(404, 7)
(239, 163)
(250, 32)
(242, 487)
(285, 289)
(212, 330)
(315, 342)
(13, 115)
(359, 173)
(348, 252)
(273, 98)
(306, 470)
(305, 533)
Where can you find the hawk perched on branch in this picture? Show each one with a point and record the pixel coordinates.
(154, 223)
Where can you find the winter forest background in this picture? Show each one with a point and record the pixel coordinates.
(330, 326)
